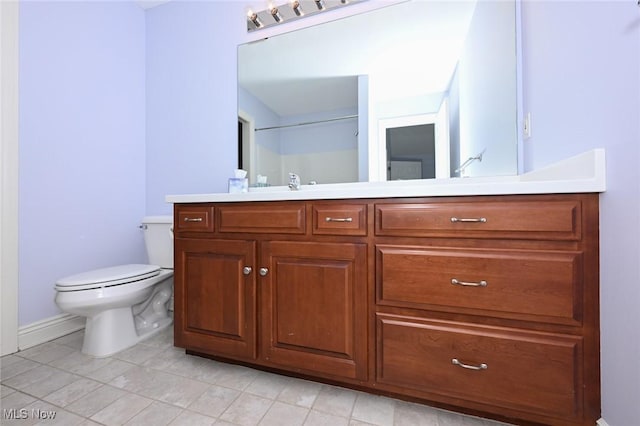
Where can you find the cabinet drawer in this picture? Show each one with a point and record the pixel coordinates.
(340, 219)
(267, 218)
(194, 218)
(503, 283)
(516, 369)
(557, 220)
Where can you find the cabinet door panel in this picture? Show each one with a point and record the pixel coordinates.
(314, 300)
(215, 300)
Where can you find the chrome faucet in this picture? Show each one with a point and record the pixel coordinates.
(294, 182)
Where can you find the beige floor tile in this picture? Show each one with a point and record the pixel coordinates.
(121, 410)
(80, 363)
(96, 400)
(281, 412)
(51, 383)
(165, 359)
(161, 386)
(46, 352)
(214, 401)
(156, 414)
(5, 390)
(110, 371)
(373, 409)
(71, 392)
(16, 400)
(318, 418)
(190, 418)
(247, 410)
(138, 354)
(22, 380)
(300, 392)
(13, 365)
(335, 400)
(73, 340)
(43, 413)
(408, 414)
(267, 385)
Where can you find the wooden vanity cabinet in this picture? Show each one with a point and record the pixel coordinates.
(485, 304)
(254, 287)
(491, 303)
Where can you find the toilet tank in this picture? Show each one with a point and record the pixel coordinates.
(158, 238)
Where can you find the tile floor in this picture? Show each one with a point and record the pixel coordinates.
(154, 383)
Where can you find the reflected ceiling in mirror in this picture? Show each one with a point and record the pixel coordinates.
(321, 91)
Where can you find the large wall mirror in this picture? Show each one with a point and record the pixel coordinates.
(415, 90)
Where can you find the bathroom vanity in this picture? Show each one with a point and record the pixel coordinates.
(485, 303)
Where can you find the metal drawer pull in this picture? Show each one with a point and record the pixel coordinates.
(471, 219)
(482, 366)
(246, 270)
(193, 219)
(482, 283)
(338, 219)
(264, 272)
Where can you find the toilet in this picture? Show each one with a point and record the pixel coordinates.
(124, 304)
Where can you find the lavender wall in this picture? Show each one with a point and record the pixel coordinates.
(191, 102)
(82, 158)
(582, 87)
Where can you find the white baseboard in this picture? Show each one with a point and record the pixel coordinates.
(48, 329)
(601, 422)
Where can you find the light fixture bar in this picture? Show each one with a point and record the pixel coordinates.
(253, 18)
(278, 14)
(297, 9)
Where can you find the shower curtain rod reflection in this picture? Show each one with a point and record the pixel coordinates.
(306, 123)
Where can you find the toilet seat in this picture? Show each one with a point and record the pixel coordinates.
(107, 277)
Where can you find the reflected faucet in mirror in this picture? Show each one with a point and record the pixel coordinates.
(468, 162)
(294, 182)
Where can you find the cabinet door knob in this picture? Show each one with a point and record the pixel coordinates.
(264, 271)
(247, 270)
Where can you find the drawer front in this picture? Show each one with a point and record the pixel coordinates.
(267, 218)
(194, 218)
(529, 371)
(340, 219)
(503, 283)
(557, 220)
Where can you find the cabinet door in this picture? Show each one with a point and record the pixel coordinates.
(215, 297)
(314, 307)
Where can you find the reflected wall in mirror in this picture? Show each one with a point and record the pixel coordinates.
(321, 101)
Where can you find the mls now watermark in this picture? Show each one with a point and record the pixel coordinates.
(24, 413)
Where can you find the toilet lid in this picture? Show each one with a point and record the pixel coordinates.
(106, 277)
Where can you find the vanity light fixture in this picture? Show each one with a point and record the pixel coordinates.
(276, 15)
(253, 18)
(297, 9)
(290, 10)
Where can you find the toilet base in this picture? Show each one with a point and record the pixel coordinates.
(113, 331)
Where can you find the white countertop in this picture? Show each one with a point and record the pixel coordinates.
(582, 173)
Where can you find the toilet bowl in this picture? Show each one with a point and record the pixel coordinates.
(124, 304)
